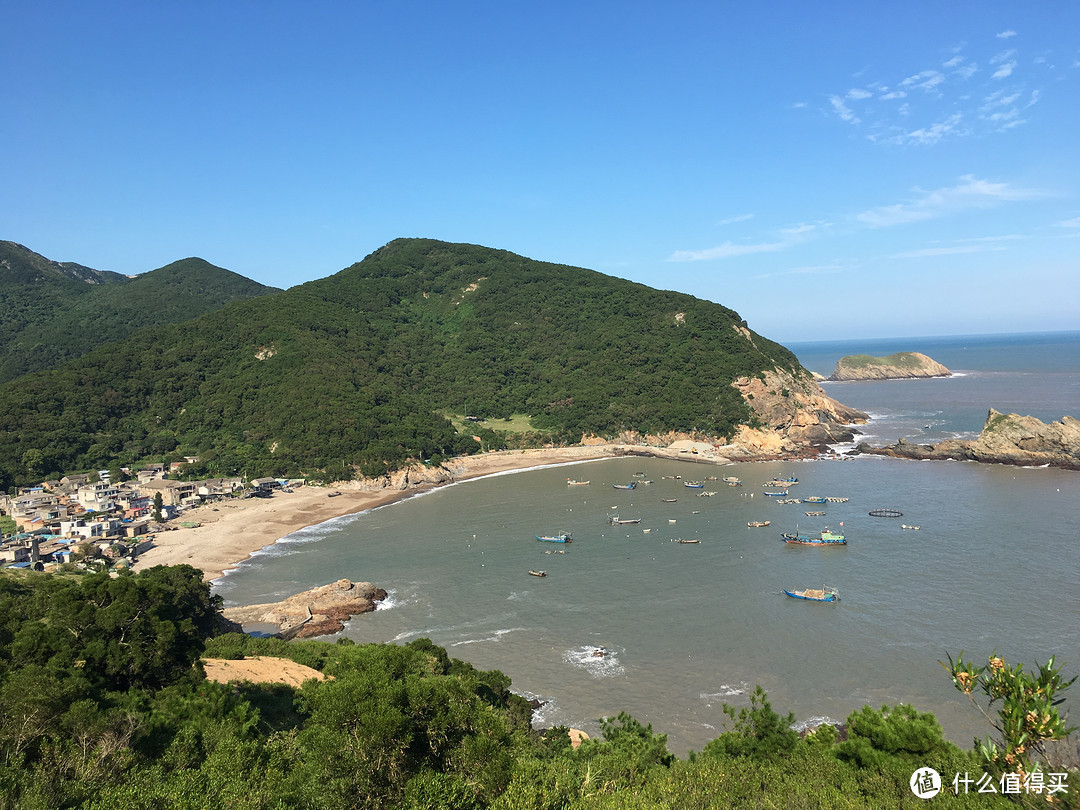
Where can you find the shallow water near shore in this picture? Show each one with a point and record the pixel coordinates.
(686, 628)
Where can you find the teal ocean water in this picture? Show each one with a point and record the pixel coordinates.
(688, 627)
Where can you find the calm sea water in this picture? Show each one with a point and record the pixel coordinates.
(689, 627)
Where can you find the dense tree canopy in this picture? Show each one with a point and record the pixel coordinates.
(359, 370)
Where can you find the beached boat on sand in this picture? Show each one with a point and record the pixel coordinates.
(821, 594)
(564, 537)
(824, 538)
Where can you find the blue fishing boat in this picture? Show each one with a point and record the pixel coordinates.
(781, 494)
(821, 594)
(824, 538)
(631, 485)
(565, 537)
(814, 499)
(694, 484)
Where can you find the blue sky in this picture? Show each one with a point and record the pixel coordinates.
(839, 170)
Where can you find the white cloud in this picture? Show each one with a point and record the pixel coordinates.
(857, 94)
(1006, 34)
(725, 251)
(943, 251)
(894, 94)
(1070, 223)
(819, 269)
(967, 71)
(956, 60)
(733, 220)
(930, 135)
(842, 110)
(928, 80)
(1004, 71)
(970, 193)
(788, 237)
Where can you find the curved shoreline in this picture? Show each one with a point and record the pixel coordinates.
(231, 531)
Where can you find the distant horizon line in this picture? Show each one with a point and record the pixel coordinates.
(931, 337)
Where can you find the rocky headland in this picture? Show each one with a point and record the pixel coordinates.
(795, 417)
(899, 366)
(1023, 441)
(317, 612)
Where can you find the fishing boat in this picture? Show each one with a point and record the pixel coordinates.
(905, 526)
(731, 479)
(631, 485)
(757, 524)
(814, 499)
(821, 594)
(538, 573)
(814, 514)
(570, 482)
(668, 500)
(771, 494)
(824, 538)
(564, 537)
(694, 484)
(688, 541)
(615, 520)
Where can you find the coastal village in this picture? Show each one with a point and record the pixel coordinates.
(96, 524)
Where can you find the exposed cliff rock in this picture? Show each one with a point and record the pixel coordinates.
(899, 366)
(1005, 439)
(795, 414)
(317, 612)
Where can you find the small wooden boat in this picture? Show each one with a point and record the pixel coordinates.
(706, 494)
(821, 594)
(781, 494)
(615, 520)
(905, 526)
(688, 541)
(824, 538)
(570, 482)
(671, 520)
(814, 514)
(631, 485)
(564, 537)
(332, 494)
(538, 573)
(757, 524)
(694, 484)
(731, 479)
(668, 500)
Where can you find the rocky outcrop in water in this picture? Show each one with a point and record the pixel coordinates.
(899, 366)
(317, 612)
(1023, 441)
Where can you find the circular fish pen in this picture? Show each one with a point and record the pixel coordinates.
(886, 513)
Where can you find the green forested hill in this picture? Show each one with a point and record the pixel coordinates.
(361, 368)
(52, 312)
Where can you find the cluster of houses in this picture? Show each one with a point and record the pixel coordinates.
(90, 517)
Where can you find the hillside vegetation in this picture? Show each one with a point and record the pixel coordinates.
(105, 705)
(53, 312)
(360, 370)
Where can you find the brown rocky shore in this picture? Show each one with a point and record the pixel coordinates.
(317, 612)
(1023, 441)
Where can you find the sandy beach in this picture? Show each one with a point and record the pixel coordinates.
(231, 530)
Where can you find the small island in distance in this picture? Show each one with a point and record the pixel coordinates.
(899, 366)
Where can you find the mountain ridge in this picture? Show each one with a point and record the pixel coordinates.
(363, 370)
